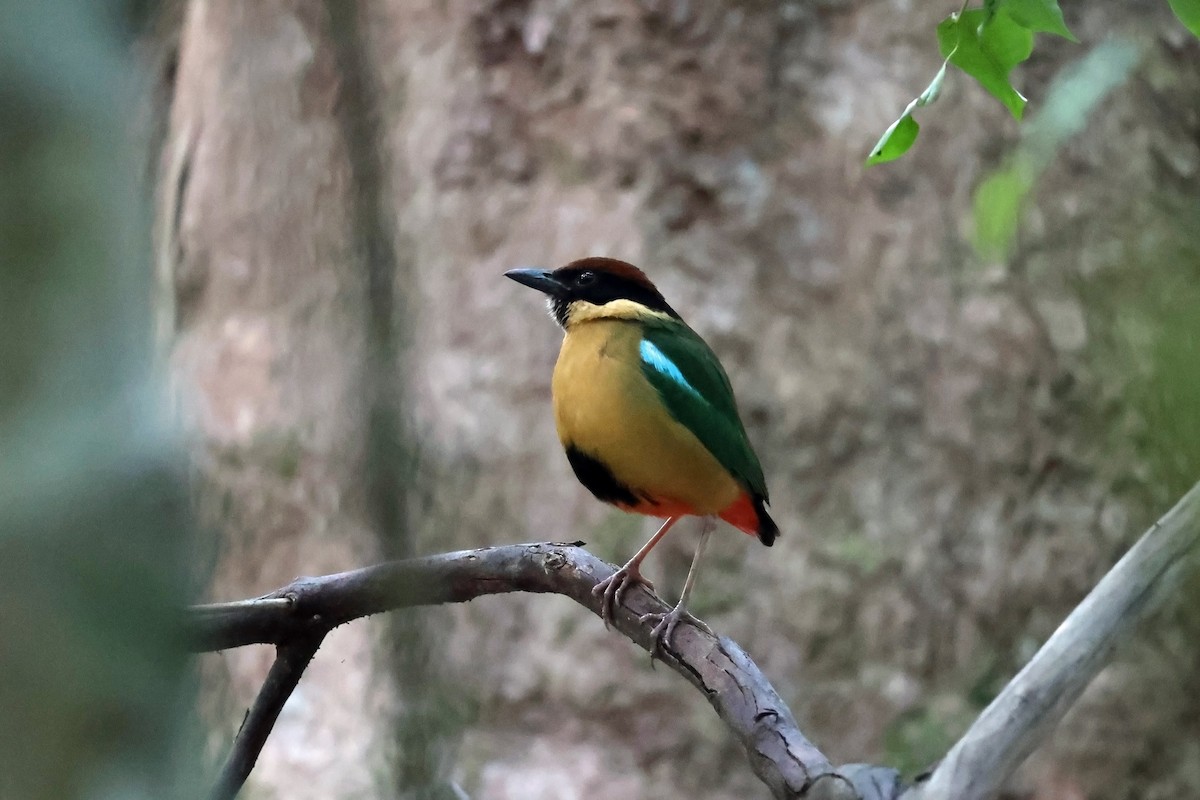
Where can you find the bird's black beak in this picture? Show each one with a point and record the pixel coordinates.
(538, 279)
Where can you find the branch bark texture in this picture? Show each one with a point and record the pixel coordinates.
(291, 660)
(297, 617)
(778, 751)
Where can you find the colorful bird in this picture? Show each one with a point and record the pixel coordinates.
(647, 417)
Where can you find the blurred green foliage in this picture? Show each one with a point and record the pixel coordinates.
(1073, 96)
(1168, 393)
(93, 514)
(915, 740)
(1144, 315)
(1145, 319)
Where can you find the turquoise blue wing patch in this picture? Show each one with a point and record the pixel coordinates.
(658, 361)
(697, 393)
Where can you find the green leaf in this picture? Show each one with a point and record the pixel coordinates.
(901, 134)
(1076, 91)
(989, 10)
(1188, 12)
(1039, 16)
(987, 52)
(895, 141)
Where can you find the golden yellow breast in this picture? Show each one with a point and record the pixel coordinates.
(604, 406)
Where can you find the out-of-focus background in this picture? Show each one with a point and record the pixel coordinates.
(238, 347)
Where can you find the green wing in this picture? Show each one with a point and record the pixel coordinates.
(697, 393)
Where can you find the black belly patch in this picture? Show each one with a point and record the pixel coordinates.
(598, 479)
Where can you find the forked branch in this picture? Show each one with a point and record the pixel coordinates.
(308, 608)
(297, 617)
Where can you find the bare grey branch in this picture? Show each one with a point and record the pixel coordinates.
(1018, 719)
(744, 699)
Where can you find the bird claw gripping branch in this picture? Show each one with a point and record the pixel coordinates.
(613, 588)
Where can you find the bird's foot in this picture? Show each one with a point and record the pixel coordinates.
(613, 589)
(664, 627)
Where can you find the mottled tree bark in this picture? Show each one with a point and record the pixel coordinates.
(270, 356)
(927, 422)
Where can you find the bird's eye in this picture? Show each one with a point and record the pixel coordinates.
(585, 279)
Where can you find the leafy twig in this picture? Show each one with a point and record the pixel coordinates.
(986, 43)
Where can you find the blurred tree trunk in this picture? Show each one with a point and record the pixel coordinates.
(94, 524)
(270, 315)
(926, 422)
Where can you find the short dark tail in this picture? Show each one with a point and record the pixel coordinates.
(768, 531)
